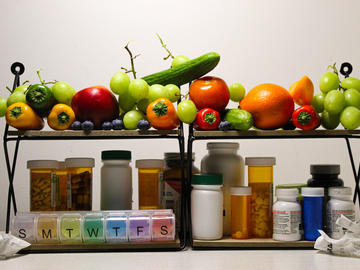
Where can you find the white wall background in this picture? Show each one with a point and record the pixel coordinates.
(259, 41)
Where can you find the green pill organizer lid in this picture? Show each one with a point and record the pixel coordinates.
(116, 155)
(207, 179)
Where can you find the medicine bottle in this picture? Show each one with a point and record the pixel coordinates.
(61, 187)
(287, 215)
(240, 212)
(116, 180)
(340, 203)
(207, 206)
(172, 182)
(223, 159)
(150, 180)
(313, 200)
(42, 184)
(326, 176)
(79, 183)
(260, 179)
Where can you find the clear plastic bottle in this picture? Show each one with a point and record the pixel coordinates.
(287, 215)
(340, 203)
(223, 159)
(116, 180)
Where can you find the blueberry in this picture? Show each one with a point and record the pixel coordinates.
(87, 126)
(76, 125)
(225, 125)
(107, 126)
(143, 124)
(118, 124)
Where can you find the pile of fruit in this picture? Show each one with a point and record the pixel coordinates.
(155, 101)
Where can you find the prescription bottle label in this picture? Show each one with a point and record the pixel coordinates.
(287, 222)
(335, 230)
(53, 188)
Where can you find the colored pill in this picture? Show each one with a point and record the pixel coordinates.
(163, 228)
(70, 228)
(139, 228)
(116, 228)
(94, 229)
(47, 231)
(24, 228)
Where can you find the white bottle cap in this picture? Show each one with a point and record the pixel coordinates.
(312, 191)
(242, 191)
(79, 162)
(42, 164)
(260, 161)
(149, 163)
(340, 191)
(287, 192)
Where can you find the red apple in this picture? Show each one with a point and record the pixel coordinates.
(96, 104)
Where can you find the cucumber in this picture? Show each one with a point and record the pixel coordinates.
(185, 72)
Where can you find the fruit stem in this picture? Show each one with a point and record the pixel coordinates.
(164, 46)
(132, 58)
(27, 81)
(38, 73)
(8, 88)
(333, 67)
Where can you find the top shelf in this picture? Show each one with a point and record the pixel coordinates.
(276, 134)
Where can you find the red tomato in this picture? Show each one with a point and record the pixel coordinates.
(209, 92)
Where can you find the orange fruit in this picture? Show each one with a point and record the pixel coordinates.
(302, 91)
(270, 105)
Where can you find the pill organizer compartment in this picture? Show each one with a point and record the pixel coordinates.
(23, 227)
(70, 228)
(140, 227)
(93, 228)
(116, 227)
(47, 229)
(163, 226)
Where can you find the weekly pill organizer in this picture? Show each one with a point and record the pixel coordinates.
(95, 227)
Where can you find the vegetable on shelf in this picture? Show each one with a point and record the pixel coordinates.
(162, 115)
(21, 116)
(207, 119)
(306, 118)
(40, 98)
(61, 117)
(302, 91)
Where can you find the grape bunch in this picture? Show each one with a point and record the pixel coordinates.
(339, 101)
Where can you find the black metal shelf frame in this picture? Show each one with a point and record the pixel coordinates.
(17, 136)
(255, 134)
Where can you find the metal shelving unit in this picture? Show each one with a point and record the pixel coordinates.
(228, 243)
(31, 135)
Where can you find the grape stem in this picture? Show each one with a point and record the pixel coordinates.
(41, 80)
(164, 46)
(333, 67)
(132, 58)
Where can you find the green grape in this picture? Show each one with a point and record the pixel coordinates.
(143, 104)
(178, 60)
(237, 92)
(186, 111)
(126, 102)
(22, 88)
(334, 102)
(351, 82)
(329, 81)
(119, 83)
(318, 102)
(352, 98)
(18, 96)
(329, 121)
(350, 118)
(131, 118)
(63, 92)
(157, 91)
(3, 106)
(173, 92)
(138, 89)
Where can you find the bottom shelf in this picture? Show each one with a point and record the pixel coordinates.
(228, 242)
(151, 246)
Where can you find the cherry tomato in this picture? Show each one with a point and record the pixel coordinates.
(209, 92)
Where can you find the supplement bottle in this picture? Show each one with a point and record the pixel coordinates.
(171, 186)
(260, 174)
(340, 203)
(42, 184)
(240, 212)
(79, 183)
(150, 181)
(207, 206)
(116, 180)
(286, 215)
(325, 175)
(313, 200)
(223, 159)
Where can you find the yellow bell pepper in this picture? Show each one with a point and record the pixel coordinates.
(21, 116)
(61, 117)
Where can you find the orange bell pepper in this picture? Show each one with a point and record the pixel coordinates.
(161, 114)
(302, 91)
(61, 117)
(21, 116)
